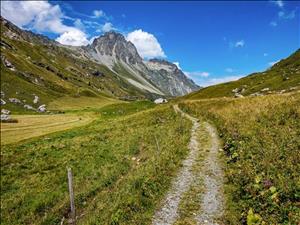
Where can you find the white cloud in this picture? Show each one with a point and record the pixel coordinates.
(213, 81)
(240, 43)
(43, 17)
(73, 37)
(266, 54)
(177, 64)
(197, 74)
(98, 13)
(147, 45)
(23, 12)
(273, 63)
(50, 20)
(279, 3)
(229, 70)
(107, 27)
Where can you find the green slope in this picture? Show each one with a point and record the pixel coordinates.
(284, 76)
(44, 68)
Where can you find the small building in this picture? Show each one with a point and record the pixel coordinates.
(160, 101)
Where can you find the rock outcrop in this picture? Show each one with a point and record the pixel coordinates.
(156, 76)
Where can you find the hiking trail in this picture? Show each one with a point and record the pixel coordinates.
(212, 202)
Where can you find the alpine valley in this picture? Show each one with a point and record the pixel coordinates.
(110, 67)
(97, 134)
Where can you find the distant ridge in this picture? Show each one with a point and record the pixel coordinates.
(282, 77)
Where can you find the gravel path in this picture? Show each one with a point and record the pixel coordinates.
(212, 198)
(168, 213)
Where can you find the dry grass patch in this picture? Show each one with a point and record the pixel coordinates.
(30, 126)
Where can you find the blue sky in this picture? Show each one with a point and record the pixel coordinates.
(211, 41)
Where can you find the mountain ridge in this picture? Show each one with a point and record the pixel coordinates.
(111, 50)
(34, 65)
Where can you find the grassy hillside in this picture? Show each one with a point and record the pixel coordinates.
(50, 71)
(118, 178)
(261, 142)
(284, 76)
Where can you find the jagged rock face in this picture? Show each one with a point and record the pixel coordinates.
(121, 56)
(112, 48)
(115, 45)
(171, 79)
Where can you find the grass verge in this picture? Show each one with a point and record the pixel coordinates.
(261, 137)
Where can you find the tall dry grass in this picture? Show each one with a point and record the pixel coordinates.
(262, 144)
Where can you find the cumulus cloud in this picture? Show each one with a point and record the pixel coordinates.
(22, 12)
(240, 43)
(177, 64)
(107, 27)
(147, 45)
(73, 37)
(43, 17)
(98, 14)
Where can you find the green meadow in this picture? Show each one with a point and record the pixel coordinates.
(120, 175)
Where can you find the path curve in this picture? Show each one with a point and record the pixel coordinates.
(212, 198)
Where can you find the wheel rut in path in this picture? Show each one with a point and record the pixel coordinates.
(211, 207)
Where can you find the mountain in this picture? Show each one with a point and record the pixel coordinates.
(110, 67)
(121, 56)
(171, 79)
(282, 77)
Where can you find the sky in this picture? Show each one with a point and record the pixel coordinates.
(211, 41)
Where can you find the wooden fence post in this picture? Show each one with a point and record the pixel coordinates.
(72, 203)
(157, 145)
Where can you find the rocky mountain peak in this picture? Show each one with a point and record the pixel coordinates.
(110, 37)
(115, 45)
